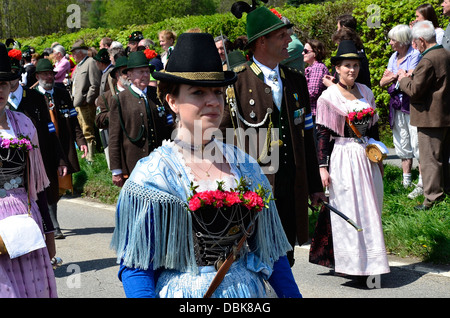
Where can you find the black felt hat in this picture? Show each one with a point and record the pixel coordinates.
(135, 36)
(346, 51)
(196, 61)
(5, 65)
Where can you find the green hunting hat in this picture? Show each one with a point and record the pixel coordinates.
(138, 59)
(120, 62)
(236, 58)
(262, 21)
(44, 65)
(103, 56)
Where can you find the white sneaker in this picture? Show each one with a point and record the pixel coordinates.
(415, 193)
(406, 183)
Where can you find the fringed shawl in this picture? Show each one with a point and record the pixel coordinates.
(332, 110)
(38, 180)
(154, 226)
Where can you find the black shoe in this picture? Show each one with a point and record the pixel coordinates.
(422, 207)
(59, 235)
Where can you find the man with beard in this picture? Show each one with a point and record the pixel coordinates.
(138, 123)
(64, 118)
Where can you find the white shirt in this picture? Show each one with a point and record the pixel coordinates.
(18, 93)
(266, 72)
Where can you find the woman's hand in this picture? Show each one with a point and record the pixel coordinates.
(328, 80)
(325, 176)
(388, 78)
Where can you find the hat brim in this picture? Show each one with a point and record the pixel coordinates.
(152, 68)
(9, 76)
(350, 56)
(229, 78)
(268, 30)
(79, 48)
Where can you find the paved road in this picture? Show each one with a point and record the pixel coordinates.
(90, 269)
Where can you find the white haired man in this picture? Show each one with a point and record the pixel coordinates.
(429, 88)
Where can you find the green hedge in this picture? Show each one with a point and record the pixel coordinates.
(311, 21)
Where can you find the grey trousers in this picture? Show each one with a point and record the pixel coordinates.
(434, 152)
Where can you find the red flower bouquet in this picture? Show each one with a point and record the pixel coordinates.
(150, 54)
(242, 196)
(15, 54)
(358, 115)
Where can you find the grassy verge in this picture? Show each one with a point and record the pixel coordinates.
(421, 234)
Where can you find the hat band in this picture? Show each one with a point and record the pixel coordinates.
(349, 55)
(199, 76)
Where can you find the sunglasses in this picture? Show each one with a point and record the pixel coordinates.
(306, 51)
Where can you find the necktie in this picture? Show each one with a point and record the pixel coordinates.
(276, 89)
(14, 101)
(52, 111)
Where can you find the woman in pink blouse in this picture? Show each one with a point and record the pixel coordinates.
(62, 65)
(313, 54)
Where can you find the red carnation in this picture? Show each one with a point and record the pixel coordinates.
(150, 54)
(276, 13)
(15, 54)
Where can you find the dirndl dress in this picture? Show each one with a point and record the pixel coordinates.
(30, 275)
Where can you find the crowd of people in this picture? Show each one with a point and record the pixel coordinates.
(251, 110)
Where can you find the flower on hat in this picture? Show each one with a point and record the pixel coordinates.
(15, 54)
(150, 54)
(276, 13)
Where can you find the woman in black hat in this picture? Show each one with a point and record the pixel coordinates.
(355, 183)
(25, 267)
(185, 245)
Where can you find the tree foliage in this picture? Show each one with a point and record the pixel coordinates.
(20, 18)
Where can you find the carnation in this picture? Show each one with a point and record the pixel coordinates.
(361, 114)
(241, 196)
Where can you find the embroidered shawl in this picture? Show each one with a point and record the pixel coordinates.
(154, 226)
(331, 110)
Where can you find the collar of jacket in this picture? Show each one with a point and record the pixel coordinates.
(437, 46)
(258, 72)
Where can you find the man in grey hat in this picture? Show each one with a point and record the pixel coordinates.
(85, 89)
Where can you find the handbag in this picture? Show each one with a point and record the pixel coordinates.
(373, 150)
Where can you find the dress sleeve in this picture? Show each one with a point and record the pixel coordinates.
(323, 145)
(282, 280)
(137, 283)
